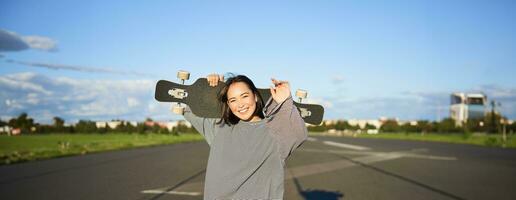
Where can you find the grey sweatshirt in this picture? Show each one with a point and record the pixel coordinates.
(247, 159)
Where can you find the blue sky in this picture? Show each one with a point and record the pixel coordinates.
(360, 59)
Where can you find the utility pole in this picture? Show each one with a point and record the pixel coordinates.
(500, 126)
(502, 122)
(504, 136)
(493, 118)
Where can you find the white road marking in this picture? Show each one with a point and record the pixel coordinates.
(409, 155)
(311, 139)
(171, 192)
(348, 146)
(191, 189)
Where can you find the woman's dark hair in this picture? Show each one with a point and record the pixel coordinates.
(227, 116)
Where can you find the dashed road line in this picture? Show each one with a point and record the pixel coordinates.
(171, 192)
(348, 146)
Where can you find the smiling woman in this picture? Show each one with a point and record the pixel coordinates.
(251, 141)
(240, 100)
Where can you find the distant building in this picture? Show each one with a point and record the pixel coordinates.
(464, 106)
(363, 122)
(5, 129)
(169, 125)
(111, 124)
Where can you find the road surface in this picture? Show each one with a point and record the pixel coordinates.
(323, 168)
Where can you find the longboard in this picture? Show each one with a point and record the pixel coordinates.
(202, 99)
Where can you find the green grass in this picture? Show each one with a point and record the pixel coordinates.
(14, 149)
(494, 140)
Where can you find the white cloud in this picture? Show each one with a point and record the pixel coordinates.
(71, 99)
(11, 41)
(132, 102)
(88, 69)
(40, 43)
(337, 79)
(19, 82)
(325, 103)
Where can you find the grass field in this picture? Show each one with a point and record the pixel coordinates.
(15, 149)
(22, 148)
(475, 139)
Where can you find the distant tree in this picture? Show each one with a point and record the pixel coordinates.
(163, 130)
(155, 129)
(390, 126)
(2, 123)
(447, 125)
(104, 130)
(353, 128)
(23, 122)
(342, 125)
(511, 128)
(369, 127)
(475, 125)
(58, 124)
(85, 126)
(492, 122)
(182, 128)
(320, 128)
(141, 128)
(408, 128)
(43, 129)
(424, 126)
(125, 127)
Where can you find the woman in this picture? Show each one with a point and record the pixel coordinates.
(250, 142)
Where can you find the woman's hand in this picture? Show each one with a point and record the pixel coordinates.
(280, 91)
(213, 79)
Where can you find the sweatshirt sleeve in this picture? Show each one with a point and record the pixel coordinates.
(287, 124)
(205, 126)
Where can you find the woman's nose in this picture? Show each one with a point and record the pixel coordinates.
(241, 105)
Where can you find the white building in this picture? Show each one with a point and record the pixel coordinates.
(362, 122)
(5, 129)
(111, 124)
(464, 106)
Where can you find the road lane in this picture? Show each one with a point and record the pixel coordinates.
(380, 169)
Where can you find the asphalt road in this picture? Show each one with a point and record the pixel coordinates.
(323, 168)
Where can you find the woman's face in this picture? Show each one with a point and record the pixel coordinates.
(242, 101)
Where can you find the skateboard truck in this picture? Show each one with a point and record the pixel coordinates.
(180, 93)
(302, 94)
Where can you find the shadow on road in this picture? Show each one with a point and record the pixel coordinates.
(316, 194)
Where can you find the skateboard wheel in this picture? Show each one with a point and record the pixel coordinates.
(183, 75)
(178, 110)
(301, 93)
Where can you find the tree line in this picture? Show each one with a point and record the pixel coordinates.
(491, 123)
(27, 125)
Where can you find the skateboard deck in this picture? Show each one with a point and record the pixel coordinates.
(202, 99)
